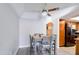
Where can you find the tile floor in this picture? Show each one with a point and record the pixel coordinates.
(23, 51)
(60, 51)
(66, 51)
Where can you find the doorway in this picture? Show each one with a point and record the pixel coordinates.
(67, 36)
(67, 32)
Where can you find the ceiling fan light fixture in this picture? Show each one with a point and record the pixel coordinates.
(44, 12)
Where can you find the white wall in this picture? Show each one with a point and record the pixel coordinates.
(8, 30)
(27, 27)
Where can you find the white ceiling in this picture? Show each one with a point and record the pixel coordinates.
(31, 16)
(35, 7)
(21, 8)
(18, 8)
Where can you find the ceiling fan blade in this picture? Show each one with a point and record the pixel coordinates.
(49, 10)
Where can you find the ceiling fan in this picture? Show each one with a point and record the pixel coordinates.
(46, 11)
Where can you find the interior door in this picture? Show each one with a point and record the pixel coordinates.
(49, 29)
(62, 33)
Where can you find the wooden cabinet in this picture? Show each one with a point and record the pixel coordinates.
(77, 46)
(77, 25)
(62, 33)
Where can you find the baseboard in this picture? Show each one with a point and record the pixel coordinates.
(23, 46)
